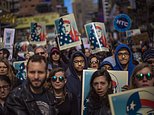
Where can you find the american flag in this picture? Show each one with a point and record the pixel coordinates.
(34, 36)
(93, 39)
(63, 38)
(140, 100)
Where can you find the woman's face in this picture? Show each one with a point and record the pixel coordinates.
(67, 28)
(94, 63)
(101, 85)
(58, 81)
(144, 78)
(55, 56)
(3, 69)
(99, 33)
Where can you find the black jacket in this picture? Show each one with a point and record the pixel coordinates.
(21, 102)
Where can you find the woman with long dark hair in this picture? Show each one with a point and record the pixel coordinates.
(100, 87)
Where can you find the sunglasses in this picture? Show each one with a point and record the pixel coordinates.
(141, 76)
(94, 62)
(40, 53)
(54, 78)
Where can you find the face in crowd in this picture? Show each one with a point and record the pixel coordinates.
(142, 76)
(87, 52)
(55, 56)
(36, 74)
(79, 63)
(41, 51)
(4, 87)
(107, 67)
(58, 81)
(123, 56)
(3, 68)
(101, 82)
(94, 63)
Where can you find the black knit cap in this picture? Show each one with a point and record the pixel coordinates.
(148, 54)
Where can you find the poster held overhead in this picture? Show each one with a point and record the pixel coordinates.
(67, 32)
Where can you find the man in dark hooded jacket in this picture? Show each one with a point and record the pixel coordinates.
(124, 59)
(78, 62)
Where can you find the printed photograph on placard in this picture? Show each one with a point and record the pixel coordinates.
(119, 79)
(138, 101)
(22, 46)
(9, 37)
(96, 33)
(67, 32)
(38, 33)
(20, 67)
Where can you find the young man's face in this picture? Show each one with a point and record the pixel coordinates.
(79, 63)
(55, 56)
(123, 56)
(36, 74)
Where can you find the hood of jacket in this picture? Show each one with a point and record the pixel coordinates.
(105, 63)
(130, 63)
(71, 66)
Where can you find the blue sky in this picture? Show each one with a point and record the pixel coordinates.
(68, 4)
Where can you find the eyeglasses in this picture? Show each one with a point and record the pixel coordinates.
(94, 62)
(141, 76)
(5, 87)
(126, 54)
(54, 78)
(40, 53)
(78, 61)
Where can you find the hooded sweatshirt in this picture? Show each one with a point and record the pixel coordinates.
(118, 66)
(74, 84)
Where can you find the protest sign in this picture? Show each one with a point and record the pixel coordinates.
(122, 22)
(38, 33)
(133, 102)
(119, 79)
(20, 66)
(9, 34)
(67, 32)
(97, 36)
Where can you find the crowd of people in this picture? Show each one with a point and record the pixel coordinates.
(53, 84)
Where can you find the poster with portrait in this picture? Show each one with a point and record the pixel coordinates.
(119, 78)
(9, 34)
(67, 32)
(133, 32)
(20, 67)
(1, 43)
(38, 33)
(138, 101)
(97, 36)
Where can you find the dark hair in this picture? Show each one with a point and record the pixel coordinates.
(54, 71)
(37, 58)
(5, 78)
(5, 51)
(96, 74)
